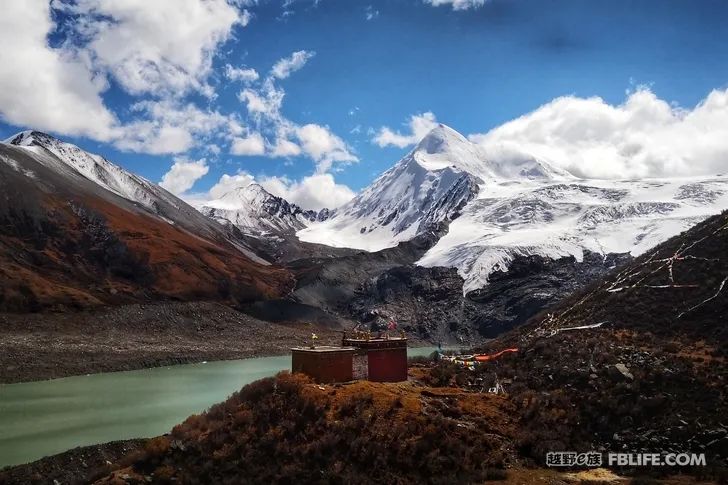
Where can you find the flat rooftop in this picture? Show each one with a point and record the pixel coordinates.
(323, 349)
(390, 339)
(391, 343)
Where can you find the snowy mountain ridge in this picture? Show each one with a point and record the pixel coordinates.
(98, 169)
(500, 204)
(257, 212)
(430, 185)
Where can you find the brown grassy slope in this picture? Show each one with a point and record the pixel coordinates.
(66, 242)
(187, 266)
(288, 430)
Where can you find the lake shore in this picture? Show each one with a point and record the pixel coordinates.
(76, 466)
(53, 345)
(44, 346)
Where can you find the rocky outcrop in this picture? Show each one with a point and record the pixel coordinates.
(331, 283)
(430, 302)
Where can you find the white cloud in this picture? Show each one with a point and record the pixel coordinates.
(46, 88)
(457, 4)
(643, 137)
(243, 74)
(285, 148)
(265, 102)
(152, 48)
(234, 127)
(284, 67)
(313, 192)
(252, 144)
(183, 175)
(323, 146)
(168, 127)
(419, 126)
(147, 137)
(370, 13)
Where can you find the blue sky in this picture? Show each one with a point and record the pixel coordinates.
(367, 65)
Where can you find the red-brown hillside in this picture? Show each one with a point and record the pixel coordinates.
(68, 241)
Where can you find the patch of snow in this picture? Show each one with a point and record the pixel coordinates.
(15, 166)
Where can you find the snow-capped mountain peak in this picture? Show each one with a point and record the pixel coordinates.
(242, 197)
(501, 201)
(428, 186)
(255, 211)
(444, 147)
(440, 139)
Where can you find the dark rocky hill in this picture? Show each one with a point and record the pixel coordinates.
(677, 290)
(430, 302)
(636, 361)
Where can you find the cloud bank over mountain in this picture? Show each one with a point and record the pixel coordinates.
(644, 136)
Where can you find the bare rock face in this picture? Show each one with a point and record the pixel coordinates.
(430, 301)
(533, 283)
(256, 212)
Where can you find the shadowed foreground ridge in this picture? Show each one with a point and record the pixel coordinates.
(678, 289)
(636, 361)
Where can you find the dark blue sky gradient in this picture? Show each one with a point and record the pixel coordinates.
(474, 69)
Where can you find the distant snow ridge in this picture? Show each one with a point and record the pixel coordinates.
(503, 203)
(98, 169)
(257, 212)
